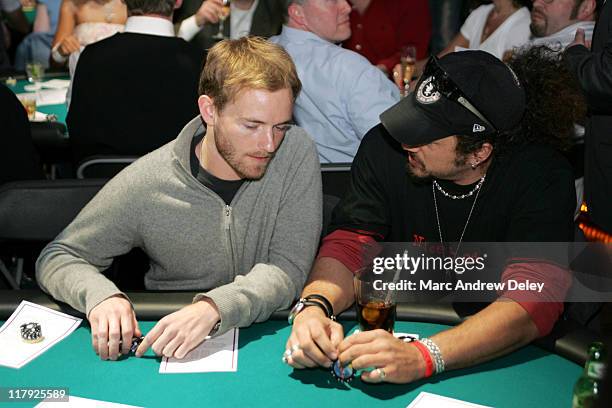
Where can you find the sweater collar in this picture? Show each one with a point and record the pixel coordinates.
(182, 146)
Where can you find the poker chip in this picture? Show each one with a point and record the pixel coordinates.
(342, 374)
(135, 343)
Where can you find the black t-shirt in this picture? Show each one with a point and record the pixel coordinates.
(226, 189)
(528, 196)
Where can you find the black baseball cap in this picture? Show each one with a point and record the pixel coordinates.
(463, 93)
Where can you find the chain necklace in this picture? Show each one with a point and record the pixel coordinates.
(476, 190)
(461, 197)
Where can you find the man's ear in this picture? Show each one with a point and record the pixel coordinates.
(296, 14)
(586, 11)
(178, 4)
(207, 109)
(485, 151)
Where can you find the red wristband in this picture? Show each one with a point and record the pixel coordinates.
(426, 356)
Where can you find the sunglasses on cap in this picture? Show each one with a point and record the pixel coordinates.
(447, 87)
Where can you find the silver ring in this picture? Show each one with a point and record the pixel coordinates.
(381, 373)
(295, 348)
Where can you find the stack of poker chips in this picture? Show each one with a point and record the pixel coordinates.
(31, 332)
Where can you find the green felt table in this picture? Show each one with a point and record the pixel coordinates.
(60, 110)
(530, 377)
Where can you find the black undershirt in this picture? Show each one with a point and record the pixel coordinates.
(226, 189)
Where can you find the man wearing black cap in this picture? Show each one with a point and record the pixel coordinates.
(453, 162)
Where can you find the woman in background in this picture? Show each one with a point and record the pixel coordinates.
(82, 22)
(496, 28)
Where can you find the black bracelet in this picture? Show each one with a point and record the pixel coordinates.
(326, 303)
(329, 310)
(318, 304)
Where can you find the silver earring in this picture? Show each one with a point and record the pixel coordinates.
(474, 165)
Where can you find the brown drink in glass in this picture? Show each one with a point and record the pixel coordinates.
(376, 315)
(375, 306)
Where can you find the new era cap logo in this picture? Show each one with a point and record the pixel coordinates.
(478, 128)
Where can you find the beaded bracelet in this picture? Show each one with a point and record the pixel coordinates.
(436, 354)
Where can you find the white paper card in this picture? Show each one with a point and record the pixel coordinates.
(39, 117)
(428, 400)
(78, 402)
(213, 355)
(50, 97)
(56, 326)
(56, 84)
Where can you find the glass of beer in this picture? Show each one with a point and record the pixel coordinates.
(223, 15)
(375, 305)
(407, 67)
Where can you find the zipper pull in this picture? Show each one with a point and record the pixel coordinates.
(228, 215)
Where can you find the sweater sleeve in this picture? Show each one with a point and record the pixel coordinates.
(69, 268)
(275, 284)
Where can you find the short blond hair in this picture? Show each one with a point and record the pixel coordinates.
(246, 63)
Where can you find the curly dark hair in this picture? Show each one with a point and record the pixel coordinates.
(554, 104)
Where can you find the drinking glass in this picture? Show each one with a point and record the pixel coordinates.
(225, 12)
(408, 65)
(34, 71)
(28, 100)
(376, 305)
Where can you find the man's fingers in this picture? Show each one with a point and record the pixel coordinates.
(127, 332)
(114, 334)
(324, 344)
(137, 331)
(172, 346)
(336, 337)
(377, 375)
(312, 341)
(102, 338)
(185, 348)
(362, 338)
(150, 338)
(93, 323)
(163, 340)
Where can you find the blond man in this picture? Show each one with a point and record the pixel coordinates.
(232, 205)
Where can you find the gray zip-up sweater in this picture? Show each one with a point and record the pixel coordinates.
(252, 256)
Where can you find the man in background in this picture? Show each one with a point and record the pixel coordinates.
(134, 91)
(342, 93)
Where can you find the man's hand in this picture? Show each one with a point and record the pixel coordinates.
(69, 45)
(394, 360)
(314, 339)
(112, 320)
(180, 332)
(579, 39)
(209, 12)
